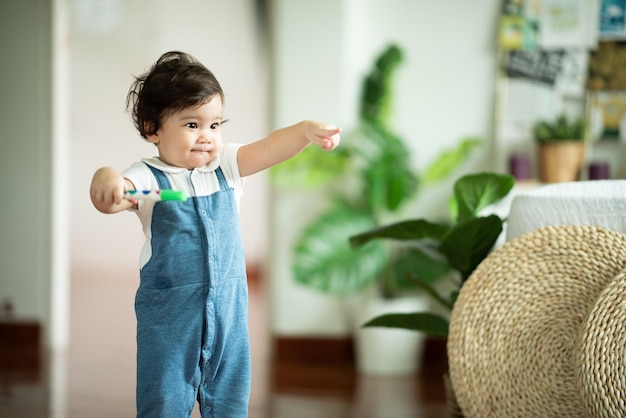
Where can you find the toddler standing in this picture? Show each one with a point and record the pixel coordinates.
(191, 305)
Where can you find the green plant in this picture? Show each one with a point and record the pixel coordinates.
(371, 179)
(562, 128)
(433, 250)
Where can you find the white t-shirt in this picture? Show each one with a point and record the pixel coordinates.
(198, 182)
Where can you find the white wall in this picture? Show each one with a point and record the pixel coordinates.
(444, 92)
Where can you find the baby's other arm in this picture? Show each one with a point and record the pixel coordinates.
(107, 191)
(285, 143)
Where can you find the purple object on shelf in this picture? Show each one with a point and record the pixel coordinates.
(599, 170)
(519, 166)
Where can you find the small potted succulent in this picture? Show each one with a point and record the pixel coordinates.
(561, 148)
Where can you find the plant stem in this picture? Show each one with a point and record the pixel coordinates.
(429, 289)
(388, 284)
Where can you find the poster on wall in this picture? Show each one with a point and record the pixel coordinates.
(519, 24)
(569, 24)
(607, 66)
(613, 19)
(550, 24)
(608, 110)
(536, 65)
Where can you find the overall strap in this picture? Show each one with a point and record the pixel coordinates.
(161, 178)
(222, 179)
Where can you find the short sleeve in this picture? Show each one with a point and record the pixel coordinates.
(140, 175)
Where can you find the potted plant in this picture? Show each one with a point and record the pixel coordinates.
(458, 247)
(561, 148)
(371, 180)
(433, 250)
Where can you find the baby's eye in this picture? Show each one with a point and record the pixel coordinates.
(215, 125)
(192, 125)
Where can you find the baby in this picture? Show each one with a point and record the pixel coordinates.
(191, 305)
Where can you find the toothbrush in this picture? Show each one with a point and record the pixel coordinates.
(156, 195)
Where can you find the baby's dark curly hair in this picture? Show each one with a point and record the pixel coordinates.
(176, 81)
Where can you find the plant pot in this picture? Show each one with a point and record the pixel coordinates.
(561, 161)
(384, 351)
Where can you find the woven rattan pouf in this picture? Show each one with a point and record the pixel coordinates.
(515, 325)
(602, 357)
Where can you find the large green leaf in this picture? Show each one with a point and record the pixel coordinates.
(389, 185)
(476, 191)
(449, 161)
(413, 267)
(401, 181)
(389, 180)
(324, 260)
(425, 322)
(376, 93)
(416, 229)
(466, 244)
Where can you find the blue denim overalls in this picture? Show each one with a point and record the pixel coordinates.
(192, 310)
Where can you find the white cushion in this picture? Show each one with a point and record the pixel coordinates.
(594, 203)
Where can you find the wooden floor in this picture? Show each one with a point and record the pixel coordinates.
(95, 378)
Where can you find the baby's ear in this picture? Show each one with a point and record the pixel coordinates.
(154, 139)
(150, 132)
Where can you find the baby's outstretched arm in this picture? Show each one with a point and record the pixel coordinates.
(284, 143)
(107, 191)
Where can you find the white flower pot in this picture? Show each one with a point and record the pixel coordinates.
(385, 351)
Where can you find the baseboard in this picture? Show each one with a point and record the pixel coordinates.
(313, 365)
(322, 364)
(20, 346)
(340, 350)
(318, 350)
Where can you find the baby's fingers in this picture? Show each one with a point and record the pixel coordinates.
(112, 195)
(327, 136)
(328, 145)
(331, 139)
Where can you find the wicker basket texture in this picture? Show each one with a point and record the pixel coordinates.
(515, 328)
(601, 359)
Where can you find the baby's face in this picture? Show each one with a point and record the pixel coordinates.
(192, 137)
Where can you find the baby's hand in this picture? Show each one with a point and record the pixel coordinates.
(322, 134)
(107, 191)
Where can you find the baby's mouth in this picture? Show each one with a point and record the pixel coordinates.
(204, 148)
